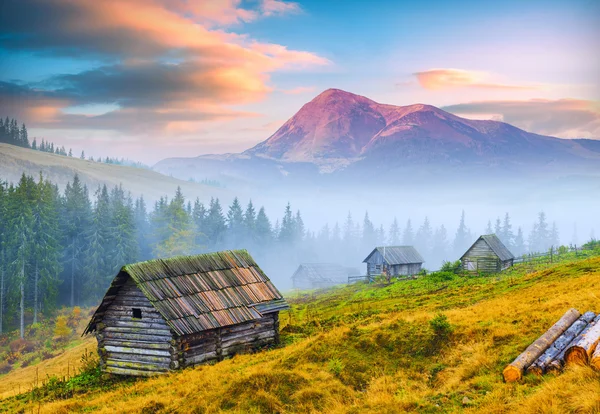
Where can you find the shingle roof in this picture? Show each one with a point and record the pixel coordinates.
(498, 247)
(394, 255)
(325, 272)
(196, 293)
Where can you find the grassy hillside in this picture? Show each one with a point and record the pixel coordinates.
(436, 344)
(15, 161)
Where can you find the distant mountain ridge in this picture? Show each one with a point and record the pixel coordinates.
(346, 134)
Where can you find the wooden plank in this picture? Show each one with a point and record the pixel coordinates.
(200, 350)
(131, 372)
(138, 365)
(129, 350)
(129, 336)
(247, 339)
(140, 331)
(198, 359)
(138, 344)
(137, 357)
(155, 324)
(250, 333)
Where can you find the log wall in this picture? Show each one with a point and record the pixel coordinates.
(133, 346)
(216, 344)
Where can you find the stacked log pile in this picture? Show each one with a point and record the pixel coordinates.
(573, 339)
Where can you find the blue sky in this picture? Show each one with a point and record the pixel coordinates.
(183, 78)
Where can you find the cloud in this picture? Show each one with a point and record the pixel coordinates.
(164, 63)
(299, 90)
(439, 79)
(277, 7)
(564, 118)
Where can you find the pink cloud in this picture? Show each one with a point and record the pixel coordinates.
(439, 79)
(298, 90)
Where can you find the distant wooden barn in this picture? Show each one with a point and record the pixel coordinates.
(487, 255)
(320, 275)
(162, 315)
(394, 261)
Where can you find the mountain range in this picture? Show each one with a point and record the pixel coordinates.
(342, 136)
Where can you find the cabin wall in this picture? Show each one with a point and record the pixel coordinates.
(216, 344)
(405, 269)
(481, 258)
(133, 346)
(375, 266)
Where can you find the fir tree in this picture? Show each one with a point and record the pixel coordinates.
(519, 244)
(263, 229)
(488, 228)
(462, 238)
(369, 237)
(235, 224)
(97, 259)
(394, 233)
(408, 237)
(287, 232)
(298, 226)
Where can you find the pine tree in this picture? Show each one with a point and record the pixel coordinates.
(21, 240)
(369, 237)
(45, 247)
(34, 144)
(394, 233)
(82, 156)
(142, 227)
(97, 267)
(408, 237)
(215, 224)
(462, 238)
(235, 224)
(286, 233)
(554, 237)
(76, 223)
(440, 245)
(263, 229)
(506, 235)
(498, 227)
(3, 235)
(424, 238)
(178, 238)
(519, 245)
(298, 226)
(199, 219)
(488, 228)
(250, 224)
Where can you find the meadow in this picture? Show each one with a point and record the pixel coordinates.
(435, 344)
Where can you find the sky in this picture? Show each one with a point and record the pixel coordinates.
(150, 79)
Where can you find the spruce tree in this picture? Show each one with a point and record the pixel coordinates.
(97, 266)
(250, 224)
(369, 237)
(286, 233)
(519, 244)
(235, 224)
(462, 237)
(76, 223)
(394, 233)
(199, 219)
(424, 238)
(264, 232)
(142, 227)
(299, 230)
(408, 237)
(215, 224)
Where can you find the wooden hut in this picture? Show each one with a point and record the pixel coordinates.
(320, 275)
(162, 315)
(394, 261)
(487, 255)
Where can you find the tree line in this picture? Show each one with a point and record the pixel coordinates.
(11, 133)
(64, 248)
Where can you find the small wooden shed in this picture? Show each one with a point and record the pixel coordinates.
(166, 314)
(487, 255)
(394, 261)
(320, 275)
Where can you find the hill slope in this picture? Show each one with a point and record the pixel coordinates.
(370, 349)
(15, 161)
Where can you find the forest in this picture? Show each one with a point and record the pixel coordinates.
(63, 248)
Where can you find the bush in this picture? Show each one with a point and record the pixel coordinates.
(440, 276)
(5, 367)
(61, 329)
(452, 267)
(441, 329)
(21, 346)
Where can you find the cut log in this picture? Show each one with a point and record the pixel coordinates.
(540, 364)
(559, 362)
(595, 362)
(581, 349)
(514, 371)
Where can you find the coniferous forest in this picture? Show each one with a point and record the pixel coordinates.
(63, 248)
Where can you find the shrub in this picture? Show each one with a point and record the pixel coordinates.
(452, 267)
(335, 366)
(440, 276)
(441, 330)
(21, 345)
(5, 367)
(61, 328)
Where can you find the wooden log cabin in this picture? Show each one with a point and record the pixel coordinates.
(394, 261)
(166, 314)
(321, 275)
(487, 255)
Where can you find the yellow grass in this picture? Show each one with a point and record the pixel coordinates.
(374, 363)
(66, 364)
